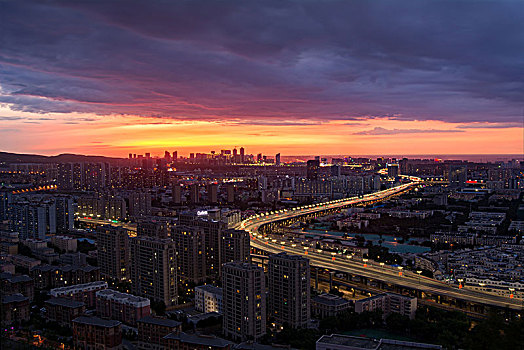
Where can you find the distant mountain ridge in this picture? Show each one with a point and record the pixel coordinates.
(6, 157)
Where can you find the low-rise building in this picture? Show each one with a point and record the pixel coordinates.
(15, 308)
(21, 284)
(126, 308)
(96, 333)
(152, 330)
(388, 303)
(77, 259)
(63, 311)
(50, 276)
(328, 305)
(65, 243)
(24, 261)
(34, 244)
(184, 341)
(7, 267)
(348, 342)
(85, 293)
(208, 298)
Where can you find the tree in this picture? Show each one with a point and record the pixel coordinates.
(159, 307)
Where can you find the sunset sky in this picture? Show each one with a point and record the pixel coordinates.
(298, 77)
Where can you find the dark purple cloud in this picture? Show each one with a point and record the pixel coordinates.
(268, 62)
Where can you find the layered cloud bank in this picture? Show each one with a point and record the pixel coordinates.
(348, 76)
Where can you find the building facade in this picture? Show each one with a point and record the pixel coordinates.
(208, 298)
(123, 307)
(244, 302)
(154, 269)
(85, 293)
(96, 333)
(289, 290)
(113, 252)
(152, 330)
(388, 303)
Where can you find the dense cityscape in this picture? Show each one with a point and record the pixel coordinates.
(229, 250)
(261, 175)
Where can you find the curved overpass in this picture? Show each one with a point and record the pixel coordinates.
(348, 264)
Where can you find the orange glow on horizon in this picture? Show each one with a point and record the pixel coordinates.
(119, 135)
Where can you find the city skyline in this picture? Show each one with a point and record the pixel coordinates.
(256, 175)
(285, 77)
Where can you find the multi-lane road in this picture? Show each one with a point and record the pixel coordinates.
(368, 269)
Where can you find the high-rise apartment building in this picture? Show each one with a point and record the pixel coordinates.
(393, 170)
(64, 213)
(64, 178)
(212, 193)
(156, 226)
(244, 303)
(212, 228)
(6, 197)
(113, 252)
(33, 218)
(289, 290)
(234, 246)
(194, 193)
(191, 258)
(139, 203)
(177, 193)
(230, 193)
(313, 168)
(154, 269)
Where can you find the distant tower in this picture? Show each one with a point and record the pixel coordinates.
(241, 154)
(175, 155)
(230, 193)
(177, 194)
(277, 159)
(212, 193)
(194, 193)
(313, 167)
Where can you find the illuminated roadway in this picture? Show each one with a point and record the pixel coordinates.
(361, 267)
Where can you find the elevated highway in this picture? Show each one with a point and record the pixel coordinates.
(259, 226)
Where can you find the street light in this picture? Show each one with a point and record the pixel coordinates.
(419, 272)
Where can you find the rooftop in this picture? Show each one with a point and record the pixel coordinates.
(375, 344)
(210, 288)
(205, 340)
(347, 340)
(65, 302)
(95, 321)
(19, 278)
(159, 321)
(124, 297)
(330, 299)
(13, 298)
